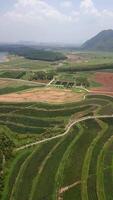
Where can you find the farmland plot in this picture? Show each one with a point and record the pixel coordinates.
(76, 165)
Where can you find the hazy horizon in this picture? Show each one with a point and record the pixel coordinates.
(59, 21)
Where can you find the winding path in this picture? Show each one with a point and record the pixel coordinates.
(50, 82)
(65, 133)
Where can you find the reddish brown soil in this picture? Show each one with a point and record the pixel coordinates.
(50, 95)
(106, 80)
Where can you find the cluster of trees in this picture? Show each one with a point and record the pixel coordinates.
(32, 53)
(82, 81)
(41, 75)
(79, 81)
(85, 68)
(6, 149)
(40, 54)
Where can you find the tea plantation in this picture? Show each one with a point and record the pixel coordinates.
(75, 164)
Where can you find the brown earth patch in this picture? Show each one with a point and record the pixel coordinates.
(106, 80)
(5, 83)
(41, 81)
(50, 95)
(76, 58)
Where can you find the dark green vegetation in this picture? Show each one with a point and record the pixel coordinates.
(101, 42)
(77, 81)
(32, 53)
(86, 68)
(75, 166)
(22, 68)
(41, 75)
(67, 73)
(39, 55)
(6, 149)
(12, 75)
(30, 119)
(8, 90)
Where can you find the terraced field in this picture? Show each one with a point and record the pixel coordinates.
(8, 86)
(75, 163)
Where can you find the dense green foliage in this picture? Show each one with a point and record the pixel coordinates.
(6, 149)
(40, 55)
(41, 75)
(82, 81)
(32, 53)
(85, 68)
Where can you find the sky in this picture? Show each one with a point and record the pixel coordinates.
(54, 21)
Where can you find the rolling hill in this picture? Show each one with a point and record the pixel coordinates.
(103, 41)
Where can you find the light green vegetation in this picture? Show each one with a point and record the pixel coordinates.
(30, 121)
(41, 175)
(20, 63)
(69, 70)
(9, 86)
(92, 58)
(74, 166)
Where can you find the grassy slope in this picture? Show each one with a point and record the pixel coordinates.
(68, 152)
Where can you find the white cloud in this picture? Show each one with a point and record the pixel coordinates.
(37, 20)
(36, 10)
(66, 4)
(40, 21)
(107, 13)
(87, 6)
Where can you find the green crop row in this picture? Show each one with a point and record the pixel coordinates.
(80, 160)
(15, 167)
(12, 74)
(7, 90)
(44, 185)
(30, 121)
(21, 129)
(50, 114)
(29, 170)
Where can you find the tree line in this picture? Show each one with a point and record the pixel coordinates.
(6, 152)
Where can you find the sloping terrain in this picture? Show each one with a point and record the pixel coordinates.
(77, 164)
(101, 42)
(50, 95)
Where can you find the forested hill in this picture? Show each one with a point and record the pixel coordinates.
(101, 42)
(32, 53)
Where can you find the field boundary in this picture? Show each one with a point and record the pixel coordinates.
(65, 133)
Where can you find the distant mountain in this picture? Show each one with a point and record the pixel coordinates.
(101, 42)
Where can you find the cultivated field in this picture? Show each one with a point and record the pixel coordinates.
(43, 95)
(58, 135)
(106, 81)
(77, 173)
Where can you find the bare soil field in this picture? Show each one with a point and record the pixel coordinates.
(76, 58)
(41, 81)
(50, 95)
(6, 83)
(106, 80)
